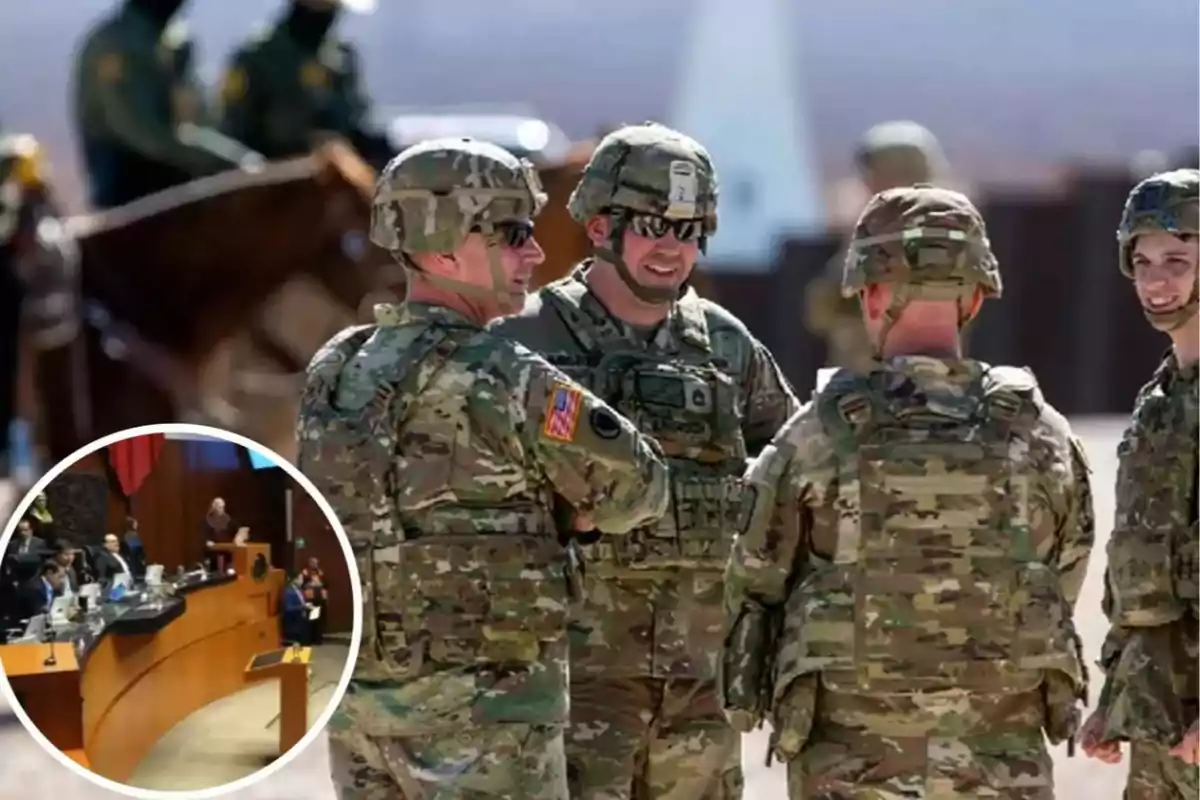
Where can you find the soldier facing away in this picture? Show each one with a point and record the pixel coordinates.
(296, 82)
(443, 448)
(890, 155)
(1150, 655)
(902, 588)
(139, 111)
(646, 722)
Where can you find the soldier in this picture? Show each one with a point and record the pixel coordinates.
(296, 82)
(443, 448)
(901, 590)
(890, 155)
(645, 716)
(139, 109)
(1150, 656)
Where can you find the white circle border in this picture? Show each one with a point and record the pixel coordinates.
(339, 692)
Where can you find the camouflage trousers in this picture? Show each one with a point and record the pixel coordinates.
(881, 749)
(1155, 774)
(651, 739)
(502, 760)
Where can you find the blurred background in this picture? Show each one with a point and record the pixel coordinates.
(205, 303)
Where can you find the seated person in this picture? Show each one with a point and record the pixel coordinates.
(65, 556)
(37, 595)
(110, 563)
(296, 625)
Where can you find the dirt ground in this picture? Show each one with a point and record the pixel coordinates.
(25, 765)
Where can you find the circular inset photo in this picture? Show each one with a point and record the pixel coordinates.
(179, 612)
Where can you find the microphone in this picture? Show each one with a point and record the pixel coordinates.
(51, 660)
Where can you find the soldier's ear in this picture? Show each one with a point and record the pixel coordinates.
(597, 230)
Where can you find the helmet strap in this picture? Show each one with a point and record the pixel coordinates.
(499, 292)
(905, 293)
(1173, 320)
(613, 255)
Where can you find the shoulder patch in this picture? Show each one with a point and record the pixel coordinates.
(562, 412)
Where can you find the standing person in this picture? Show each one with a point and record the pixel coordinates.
(901, 590)
(1150, 694)
(297, 82)
(312, 584)
(445, 451)
(646, 719)
(890, 155)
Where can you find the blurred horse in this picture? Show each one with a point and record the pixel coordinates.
(163, 282)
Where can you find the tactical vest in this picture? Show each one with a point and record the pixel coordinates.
(1153, 554)
(934, 585)
(482, 586)
(690, 405)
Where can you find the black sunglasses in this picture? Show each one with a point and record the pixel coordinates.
(513, 233)
(653, 226)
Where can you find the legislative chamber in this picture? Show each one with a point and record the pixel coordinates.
(141, 672)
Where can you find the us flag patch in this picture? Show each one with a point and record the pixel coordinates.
(562, 413)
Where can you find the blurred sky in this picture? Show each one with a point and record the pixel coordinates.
(1011, 87)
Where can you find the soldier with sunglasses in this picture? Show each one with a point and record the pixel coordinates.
(444, 450)
(646, 721)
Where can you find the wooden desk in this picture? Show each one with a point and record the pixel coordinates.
(132, 689)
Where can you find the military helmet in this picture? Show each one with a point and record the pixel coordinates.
(905, 148)
(433, 194)
(652, 169)
(1169, 201)
(927, 238)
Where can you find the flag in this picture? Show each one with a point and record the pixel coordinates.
(133, 459)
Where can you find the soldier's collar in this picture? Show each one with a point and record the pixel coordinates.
(685, 320)
(408, 312)
(1169, 371)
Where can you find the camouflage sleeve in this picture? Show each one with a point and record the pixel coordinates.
(592, 455)
(770, 400)
(770, 544)
(766, 554)
(121, 79)
(1077, 534)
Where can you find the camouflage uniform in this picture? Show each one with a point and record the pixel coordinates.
(893, 154)
(901, 591)
(645, 719)
(135, 86)
(1150, 656)
(293, 83)
(443, 449)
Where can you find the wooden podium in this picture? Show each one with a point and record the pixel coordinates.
(290, 666)
(49, 693)
(244, 556)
